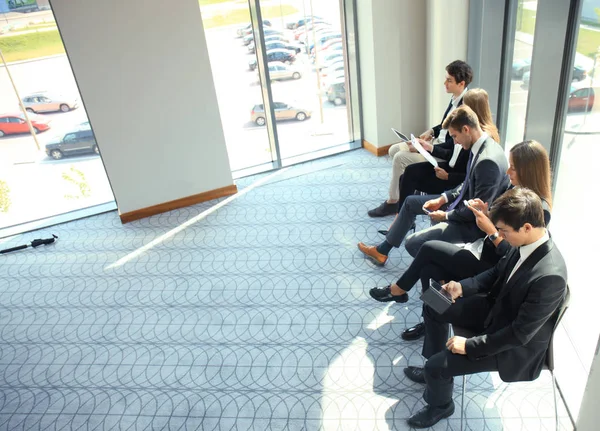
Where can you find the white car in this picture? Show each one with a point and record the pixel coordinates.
(47, 102)
(279, 70)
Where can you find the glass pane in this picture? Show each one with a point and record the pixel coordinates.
(524, 38)
(233, 61)
(308, 45)
(42, 177)
(573, 206)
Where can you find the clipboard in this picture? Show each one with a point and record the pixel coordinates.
(400, 135)
(415, 143)
(436, 297)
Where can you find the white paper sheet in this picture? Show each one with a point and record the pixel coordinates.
(415, 143)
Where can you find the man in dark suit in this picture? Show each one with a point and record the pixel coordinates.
(486, 179)
(436, 140)
(512, 307)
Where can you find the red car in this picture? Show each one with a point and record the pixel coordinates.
(15, 123)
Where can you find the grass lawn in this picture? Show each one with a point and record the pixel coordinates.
(31, 45)
(241, 16)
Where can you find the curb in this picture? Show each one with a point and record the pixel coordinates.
(48, 57)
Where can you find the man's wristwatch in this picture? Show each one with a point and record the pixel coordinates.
(493, 237)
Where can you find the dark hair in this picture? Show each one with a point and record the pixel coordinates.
(533, 168)
(460, 71)
(460, 117)
(517, 207)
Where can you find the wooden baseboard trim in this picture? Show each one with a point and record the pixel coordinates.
(178, 203)
(378, 151)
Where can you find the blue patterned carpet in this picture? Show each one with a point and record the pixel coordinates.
(250, 313)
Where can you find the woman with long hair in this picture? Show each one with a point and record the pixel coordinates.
(529, 166)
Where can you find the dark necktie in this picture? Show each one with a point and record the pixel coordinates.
(465, 184)
(495, 292)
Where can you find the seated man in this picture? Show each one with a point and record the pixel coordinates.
(458, 76)
(512, 307)
(486, 179)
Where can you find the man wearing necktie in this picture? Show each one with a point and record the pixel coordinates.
(485, 179)
(512, 308)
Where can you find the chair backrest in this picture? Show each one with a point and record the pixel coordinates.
(561, 312)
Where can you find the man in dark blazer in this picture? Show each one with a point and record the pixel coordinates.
(486, 179)
(512, 307)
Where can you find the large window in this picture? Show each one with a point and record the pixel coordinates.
(575, 203)
(520, 72)
(305, 51)
(49, 158)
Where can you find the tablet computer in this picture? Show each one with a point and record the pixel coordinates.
(436, 297)
(400, 135)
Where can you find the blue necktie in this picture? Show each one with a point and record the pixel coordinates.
(465, 184)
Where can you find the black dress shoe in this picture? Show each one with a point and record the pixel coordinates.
(383, 210)
(414, 333)
(416, 374)
(428, 416)
(384, 294)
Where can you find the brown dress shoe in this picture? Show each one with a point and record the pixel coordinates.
(372, 253)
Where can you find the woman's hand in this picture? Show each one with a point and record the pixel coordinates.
(441, 174)
(478, 204)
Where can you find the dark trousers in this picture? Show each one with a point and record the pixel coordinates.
(421, 177)
(440, 260)
(442, 365)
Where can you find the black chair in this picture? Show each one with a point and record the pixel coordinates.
(548, 365)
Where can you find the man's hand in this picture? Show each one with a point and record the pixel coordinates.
(434, 204)
(483, 222)
(425, 144)
(427, 135)
(457, 345)
(437, 216)
(478, 204)
(440, 173)
(411, 148)
(454, 289)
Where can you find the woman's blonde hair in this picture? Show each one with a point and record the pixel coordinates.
(477, 99)
(532, 165)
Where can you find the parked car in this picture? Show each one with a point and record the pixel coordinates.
(336, 93)
(279, 70)
(328, 59)
(582, 99)
(15, 123)
(242, 30)
(306, 31)
(282, 45)
(271, 38)
(48, 102)
(520, 67)
(579, 74)
(275, 55)
(267, 32)
(302, 21)
(74, 142)
(283, 111)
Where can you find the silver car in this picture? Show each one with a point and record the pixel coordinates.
(46, 102)
(279, 70)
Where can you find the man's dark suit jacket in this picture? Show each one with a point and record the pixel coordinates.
(523, 311)
(487, 180)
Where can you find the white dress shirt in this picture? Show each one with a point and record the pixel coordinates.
(526, 250)
(443, 132)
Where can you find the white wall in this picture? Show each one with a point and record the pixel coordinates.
(392, 60)
(144, 74)
(589, 415)
(448, 27)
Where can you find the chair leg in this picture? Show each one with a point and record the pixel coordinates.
(462, 403)
(555, 402)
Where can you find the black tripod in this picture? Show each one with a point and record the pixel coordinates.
(35, 243)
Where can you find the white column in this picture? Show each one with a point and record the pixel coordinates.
(589, 414)
(144, 75)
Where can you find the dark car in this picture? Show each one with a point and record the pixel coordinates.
(520, 67)
(81, 141)
(242, 30)
(282, 55)
(336, 93)
(302, 21)
(283, 45)
(267, 32)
